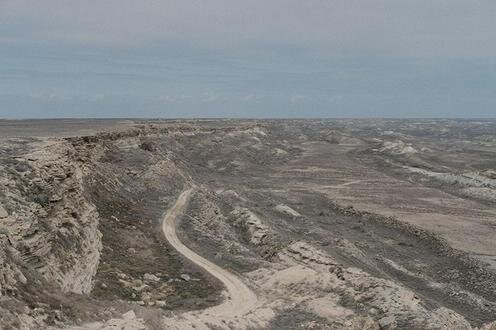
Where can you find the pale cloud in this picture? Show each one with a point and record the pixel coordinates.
(208, 97)
(257, 57)
(50, 97)
(251, 98)
(335, 98)
(295, 98)
(455, 28)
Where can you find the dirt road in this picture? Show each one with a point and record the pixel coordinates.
(239, 299)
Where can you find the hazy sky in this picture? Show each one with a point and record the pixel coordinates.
(250, 58)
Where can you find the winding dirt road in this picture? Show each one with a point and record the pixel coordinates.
(239, 298)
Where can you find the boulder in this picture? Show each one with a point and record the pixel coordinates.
(151, 278)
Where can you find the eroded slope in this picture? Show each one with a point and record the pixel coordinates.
(325, 221)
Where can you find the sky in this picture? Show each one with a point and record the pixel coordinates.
(250, 58)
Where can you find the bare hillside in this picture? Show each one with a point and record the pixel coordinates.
(275, 224)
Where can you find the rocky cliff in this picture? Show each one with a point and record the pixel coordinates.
(47, 227)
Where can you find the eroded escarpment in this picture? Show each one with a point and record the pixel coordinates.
(301, 212)
(51, 242)
(49, 221)
(132, 181)
(78, 227)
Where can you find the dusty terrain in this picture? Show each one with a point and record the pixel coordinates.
(275, 224)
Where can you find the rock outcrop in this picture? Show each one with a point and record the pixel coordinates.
(48, 228)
